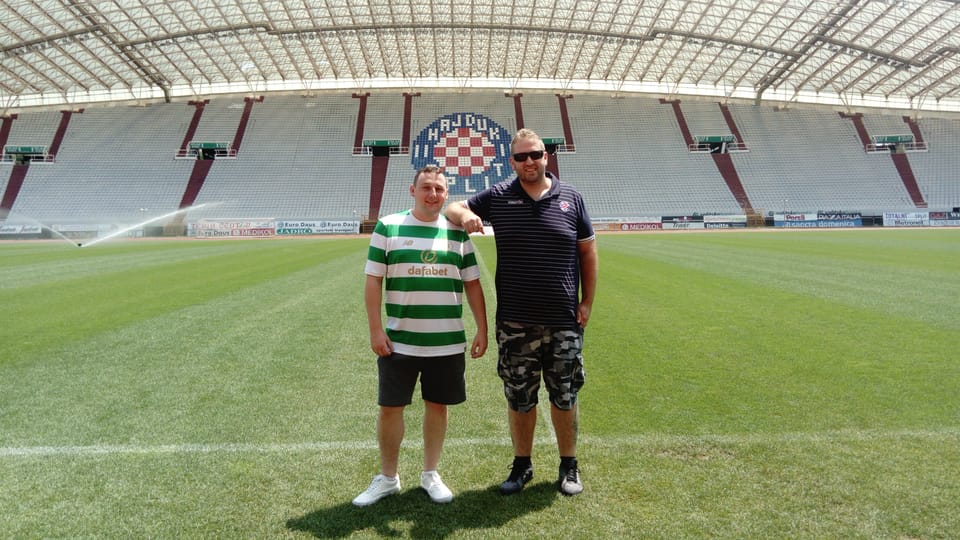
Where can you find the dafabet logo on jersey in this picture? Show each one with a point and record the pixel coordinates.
(472, 149)
(429, 258)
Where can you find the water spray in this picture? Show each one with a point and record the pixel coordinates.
(41, 225)
(141, 224)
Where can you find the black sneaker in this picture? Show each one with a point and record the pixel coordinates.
(569, 481)
(519, 476)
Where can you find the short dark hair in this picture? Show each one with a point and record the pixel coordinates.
(428, 169)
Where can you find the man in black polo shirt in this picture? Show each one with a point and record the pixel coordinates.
(546, 278)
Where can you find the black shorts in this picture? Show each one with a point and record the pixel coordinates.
(441, 379)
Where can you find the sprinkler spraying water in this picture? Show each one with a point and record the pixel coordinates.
(141, 224)
(11, 216)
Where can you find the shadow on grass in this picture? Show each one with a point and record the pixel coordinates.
(478, 509)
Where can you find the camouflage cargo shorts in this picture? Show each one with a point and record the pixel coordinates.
(528, 352)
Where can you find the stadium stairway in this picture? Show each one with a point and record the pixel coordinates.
(723, 162)
(19, 172)
(900, 161)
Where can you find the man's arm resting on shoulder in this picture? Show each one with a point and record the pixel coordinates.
(460, 214)
(372, 296)
(589, 268)
(474, 292)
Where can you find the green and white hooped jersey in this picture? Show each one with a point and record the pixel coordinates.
(424, 265)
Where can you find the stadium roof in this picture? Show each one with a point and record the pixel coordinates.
(853, 53)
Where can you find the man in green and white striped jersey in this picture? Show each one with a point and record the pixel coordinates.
(426, 265)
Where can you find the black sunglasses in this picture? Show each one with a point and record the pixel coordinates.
(522, 156)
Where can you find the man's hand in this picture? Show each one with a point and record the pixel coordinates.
(479, 346)
(583, 314)
(460, 214)
(381, 344)
(472, 222)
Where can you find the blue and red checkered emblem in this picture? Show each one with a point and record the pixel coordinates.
(472, 150)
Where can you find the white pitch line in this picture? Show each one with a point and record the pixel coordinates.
(226, 448)
(117, 449)
(545, 444)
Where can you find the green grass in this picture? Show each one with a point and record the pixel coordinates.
(798, 384)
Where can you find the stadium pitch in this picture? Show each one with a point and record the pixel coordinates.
(795, 384)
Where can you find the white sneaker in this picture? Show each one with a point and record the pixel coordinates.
(379, 488)
(434, 486)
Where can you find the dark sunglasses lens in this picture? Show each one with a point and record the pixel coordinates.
(522, 156)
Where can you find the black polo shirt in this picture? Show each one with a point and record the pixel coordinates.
(538, 266)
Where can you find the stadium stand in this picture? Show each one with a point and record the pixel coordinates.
(811, 159)
(880, 123)
(114, 164)
(297, 161)
(384, 118)
(38, 130)
(631, 161)
(704, 118)
(936, 169)
(541, 113)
